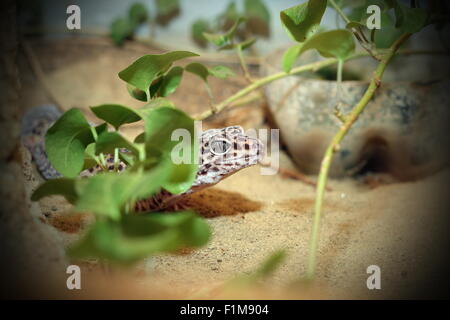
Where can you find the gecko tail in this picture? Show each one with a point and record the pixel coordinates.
(35, 124)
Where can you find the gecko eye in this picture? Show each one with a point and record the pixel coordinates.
(220, 146)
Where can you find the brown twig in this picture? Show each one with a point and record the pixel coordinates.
(294, 174)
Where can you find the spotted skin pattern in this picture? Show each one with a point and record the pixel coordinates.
(35, 124)
(223, 152)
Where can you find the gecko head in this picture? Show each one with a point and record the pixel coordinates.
(226, 151)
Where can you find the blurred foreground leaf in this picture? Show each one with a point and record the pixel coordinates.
(61, 186)
(136, 237)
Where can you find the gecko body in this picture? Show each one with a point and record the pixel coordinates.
(222, 152)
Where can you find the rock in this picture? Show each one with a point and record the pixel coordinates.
(403, 129)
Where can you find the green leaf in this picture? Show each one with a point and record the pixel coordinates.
(66, 141)
(181, 178)
(257, 8)
(166, 11)
(136, 237)
(267, 267)
(229, 16)
(171, 81)
(89, 157)
(120, 30)
(123, 28)
(155, 104)
(160, 124)
(271, 264)
(290, 56)
(383, 4)
(244, 44)
(166, 6)
(61, 186)
(247, 43)
(389, 34)
(231, 11)
(198, 69)
(108, 141)
(144, 70)
(155, 86)
(303, 20)
(90, 150)
(354, 24)
(140, 138)
(116, 114)
(221, 72)
(147, 164)
(216, 39)
(137, 13)
(258, 17)
(198, 27)
(203, 72)
(359, 12)
(136, 93)
(106, 194)
(223, 39)
(337, 43)
(127, 158)
(409, 19)
(101, 128)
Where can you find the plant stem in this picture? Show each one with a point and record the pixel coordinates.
(339, 80)
(94, 133)
(372, 36)
(307, 67)
(334, 145)
(243, 64)
(116, 158)
(101, 158)
(357, 32)
(338, 10)
(211, 97)
(279, 75)
(337, 110)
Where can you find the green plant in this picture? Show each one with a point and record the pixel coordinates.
(254, 278)
(151, 78)
(72, 145)
(125, 27)
(253, 22)
(302, 23)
